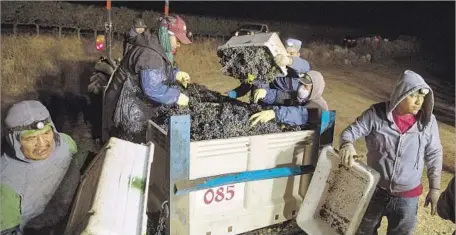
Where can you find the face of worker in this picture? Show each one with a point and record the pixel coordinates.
(411, 104)
(140, 30)
(174, 43)
(293, 51)
(304, 93)
(38, 145)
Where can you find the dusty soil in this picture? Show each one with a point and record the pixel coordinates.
(349, 91)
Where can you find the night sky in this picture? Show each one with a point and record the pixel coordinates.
(432, 21)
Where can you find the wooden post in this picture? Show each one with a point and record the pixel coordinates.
(78, 30)
(15, 29)
(37, 30)
(60, 31)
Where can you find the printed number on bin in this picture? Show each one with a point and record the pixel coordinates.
(224, 193)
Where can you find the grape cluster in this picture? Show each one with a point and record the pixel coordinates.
(214, 116)
(239, 61)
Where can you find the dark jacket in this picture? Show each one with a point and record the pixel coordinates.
(128, 36)
(129, 103)
(445, 205)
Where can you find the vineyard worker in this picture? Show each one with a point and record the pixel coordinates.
(293, 62)
(139, 26)
(138, 86)
(402, 136)
(36, 160)
(292, 107)
(445, 205)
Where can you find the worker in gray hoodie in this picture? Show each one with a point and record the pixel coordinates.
(291, 99)
(402, 136)
(36, 160)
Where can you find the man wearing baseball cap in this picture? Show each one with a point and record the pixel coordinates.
(293, 104)
(139, 26)
(148, 68)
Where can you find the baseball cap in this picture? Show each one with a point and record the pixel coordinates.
(294, 43)
(177, 26)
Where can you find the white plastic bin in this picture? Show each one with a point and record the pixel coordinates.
(269, 40)
(337, 197)
(112, 197)
(242, 207)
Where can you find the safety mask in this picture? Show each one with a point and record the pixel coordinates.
(303, 94)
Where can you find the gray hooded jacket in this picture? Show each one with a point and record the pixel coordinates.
(400, 158)
(34, 181)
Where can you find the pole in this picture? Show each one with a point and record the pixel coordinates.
(166, 8)
(108, 29)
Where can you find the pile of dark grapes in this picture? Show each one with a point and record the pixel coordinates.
(214, 116)
(239, 61)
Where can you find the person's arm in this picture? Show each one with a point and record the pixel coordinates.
(242, 89)
(286, 83)
(151, 70)
(10, 209)
(361, 127)
(433, 157)
(445, 205)
(291, 115)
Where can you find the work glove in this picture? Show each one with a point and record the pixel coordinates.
(232, 94)
(258, 95)
(347, 154)
(182, 100)
(432, 197)
(183, 78)
(250, 78)
(283, 60)
(263, 117)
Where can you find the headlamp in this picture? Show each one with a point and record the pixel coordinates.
(423, 91)
(37, 125)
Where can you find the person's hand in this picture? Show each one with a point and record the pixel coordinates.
(283, 60)
(182, 100)
(347, 154)
(250, 78)
(183, 78)
(232, 94)
(432, 198)
(263, 117)
(258, 95)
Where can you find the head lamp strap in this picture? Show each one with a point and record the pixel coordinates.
(37, 125)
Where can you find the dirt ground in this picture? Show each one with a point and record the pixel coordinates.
(349, 91)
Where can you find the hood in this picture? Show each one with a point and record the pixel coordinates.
(318, 85)
(131, 33)
(149, 40)
(409, 83)
(22, 114)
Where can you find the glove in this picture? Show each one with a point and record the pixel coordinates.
(183, 78)
(283, 60)
(258, 95)
(182, 100)
(347, 153)
(232, 94)
(250, 78)
(263, 116)
(432, 197)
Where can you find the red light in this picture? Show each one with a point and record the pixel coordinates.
(100, 42)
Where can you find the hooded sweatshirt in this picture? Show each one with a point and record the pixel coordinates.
(25, 183)
(128, 37)
(297, 115)
(400, 157)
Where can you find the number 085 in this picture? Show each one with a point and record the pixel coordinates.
(222, 193)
